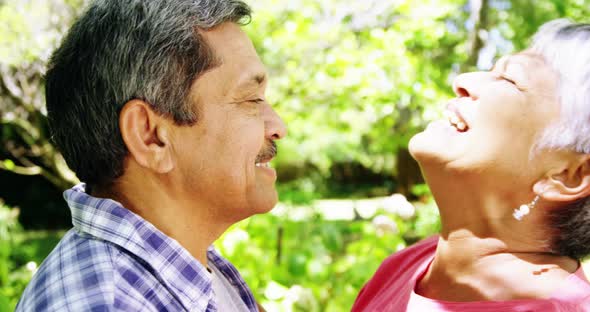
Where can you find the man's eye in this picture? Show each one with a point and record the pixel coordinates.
(257, 101)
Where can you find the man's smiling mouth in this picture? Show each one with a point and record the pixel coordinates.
(266, 155)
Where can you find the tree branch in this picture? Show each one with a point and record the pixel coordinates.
(30, 171)
(28, 132)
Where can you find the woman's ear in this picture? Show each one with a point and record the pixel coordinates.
(146, 136)
(568, 184)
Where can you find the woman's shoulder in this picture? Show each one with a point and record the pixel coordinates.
(410, 259)
(422, 249)
(574, 293)
(394, 278)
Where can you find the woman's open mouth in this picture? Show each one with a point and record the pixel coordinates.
(456, 119)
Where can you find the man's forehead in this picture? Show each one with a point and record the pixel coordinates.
(229, 40)
(238, 66)
(241, 75)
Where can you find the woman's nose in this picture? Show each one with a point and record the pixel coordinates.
(465, 85)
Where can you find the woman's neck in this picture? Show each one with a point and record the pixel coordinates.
(469, 268)
(484, 253)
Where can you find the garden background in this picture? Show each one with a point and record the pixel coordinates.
(353, 80)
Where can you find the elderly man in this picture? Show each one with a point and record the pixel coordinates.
(159, 107)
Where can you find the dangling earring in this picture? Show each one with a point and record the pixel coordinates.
(524, 210)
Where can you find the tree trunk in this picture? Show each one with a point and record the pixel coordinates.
(479, 20)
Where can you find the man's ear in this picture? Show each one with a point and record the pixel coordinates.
(146, 135)
(568, 184)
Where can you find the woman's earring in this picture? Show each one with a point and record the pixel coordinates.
(524, 210)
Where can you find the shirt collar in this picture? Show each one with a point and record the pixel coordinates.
(108, 220)
(234, 278)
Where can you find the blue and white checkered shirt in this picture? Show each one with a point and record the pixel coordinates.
(113, 260)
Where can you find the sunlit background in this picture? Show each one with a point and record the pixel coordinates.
(353, 80)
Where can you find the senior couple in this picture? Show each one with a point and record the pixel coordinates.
(159, 107)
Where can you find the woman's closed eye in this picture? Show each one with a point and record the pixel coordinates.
(508, 79)
(520, 85)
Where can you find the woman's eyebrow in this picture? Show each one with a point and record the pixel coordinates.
(501, 62)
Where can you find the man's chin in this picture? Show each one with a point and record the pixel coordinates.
(264, 203)
(267, 206)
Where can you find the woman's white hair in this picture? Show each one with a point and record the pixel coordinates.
(565, 46)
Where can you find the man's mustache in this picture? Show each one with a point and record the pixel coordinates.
(269, 152)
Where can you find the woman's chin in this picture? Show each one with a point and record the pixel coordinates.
(423, 148)
(431, 152)
(415, 146)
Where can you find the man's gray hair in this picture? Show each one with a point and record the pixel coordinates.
(120, 50)
(565, 46)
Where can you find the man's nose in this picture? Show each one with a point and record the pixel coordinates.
(274, 127)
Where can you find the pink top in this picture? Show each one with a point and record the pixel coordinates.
(392, 289)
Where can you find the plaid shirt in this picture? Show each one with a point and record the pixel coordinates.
(113, 260)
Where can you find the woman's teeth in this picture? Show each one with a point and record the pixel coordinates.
(456, 121)
(461, 126)
(267, 165)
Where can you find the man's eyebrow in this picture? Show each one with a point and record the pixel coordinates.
(254, 81)
(260, 78)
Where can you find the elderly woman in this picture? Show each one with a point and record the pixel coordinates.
(510, 173)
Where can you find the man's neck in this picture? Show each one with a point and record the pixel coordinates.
(190, 222)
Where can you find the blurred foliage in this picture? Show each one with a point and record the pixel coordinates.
(9, 227)
(20, 254)
(354, 81)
